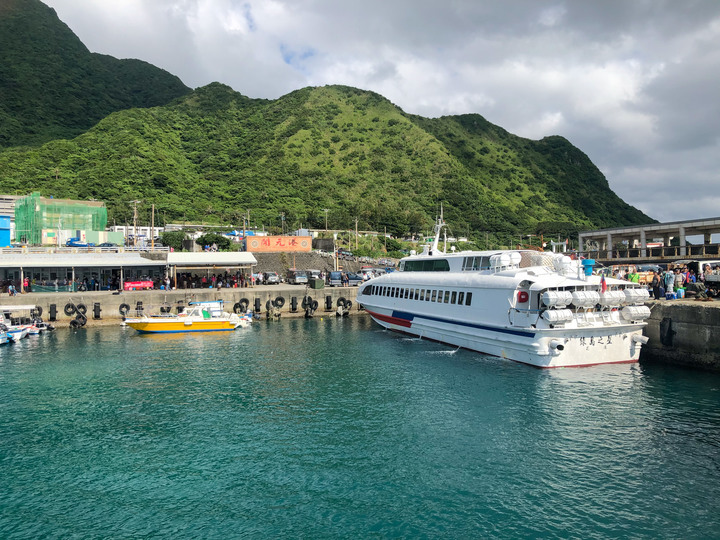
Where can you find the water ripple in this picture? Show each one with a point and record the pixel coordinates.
(330, 428)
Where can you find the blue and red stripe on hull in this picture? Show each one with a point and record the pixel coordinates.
(405, 320)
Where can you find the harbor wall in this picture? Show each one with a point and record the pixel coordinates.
(152, 300)
(683, 333)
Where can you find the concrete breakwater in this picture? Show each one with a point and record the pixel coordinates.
(683, 333)
(103, 307)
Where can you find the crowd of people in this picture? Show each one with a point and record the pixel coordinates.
(661, 282)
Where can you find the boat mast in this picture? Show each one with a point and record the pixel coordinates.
(438, 227)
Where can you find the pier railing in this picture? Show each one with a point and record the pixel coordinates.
(665, 253)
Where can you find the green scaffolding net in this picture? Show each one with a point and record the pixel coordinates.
(34, 213)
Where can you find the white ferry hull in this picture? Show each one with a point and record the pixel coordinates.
(541, 309)
(576, 347)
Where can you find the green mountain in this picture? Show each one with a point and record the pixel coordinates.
(52, 87)
(214, 154)
(111, 133)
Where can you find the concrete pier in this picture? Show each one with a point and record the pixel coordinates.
(683, 333)
(109, 302)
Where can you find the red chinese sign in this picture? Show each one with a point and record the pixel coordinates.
(265, 244)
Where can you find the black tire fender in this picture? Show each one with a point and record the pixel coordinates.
(341, 302)
(237, 308)
(268, 305)
(75, 323)
(348, 304)
(314, 305)
(81, 308)
(279, 302)
(124, 308)
(38, 311)
(69, 309)
(245, 303)
(82, 319)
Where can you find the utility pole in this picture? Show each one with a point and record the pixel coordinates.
(135, 216)
(152, 229)
(326, 210)
(356, 233)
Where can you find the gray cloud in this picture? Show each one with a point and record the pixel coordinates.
(632, 84)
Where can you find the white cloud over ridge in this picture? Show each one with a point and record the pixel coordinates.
(632, 84)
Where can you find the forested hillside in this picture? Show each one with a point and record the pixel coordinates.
(332, 152)
(52, 87)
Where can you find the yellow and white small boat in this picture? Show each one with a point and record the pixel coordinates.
(199, 317)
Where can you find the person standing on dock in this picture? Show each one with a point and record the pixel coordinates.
(669, 280)
(679, 279)
(655, 284)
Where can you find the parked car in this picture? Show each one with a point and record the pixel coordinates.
(75, 242)
(335, 279)
(272, 278)
(313, 274)
(107, 245)
(296, 277)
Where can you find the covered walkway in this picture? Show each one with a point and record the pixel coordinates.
(51, 272)
(652, 241)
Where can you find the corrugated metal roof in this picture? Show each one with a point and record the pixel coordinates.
(115, 260)
(75, 260)
(211, 258)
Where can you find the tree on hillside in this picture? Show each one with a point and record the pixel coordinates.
(208, 239)
(173, 239)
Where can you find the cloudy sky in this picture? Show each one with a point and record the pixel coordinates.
(635, 84)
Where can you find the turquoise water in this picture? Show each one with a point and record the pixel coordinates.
(336, 429)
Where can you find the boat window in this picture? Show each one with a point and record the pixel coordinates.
(453, 298)
(468, 298)
(397, 292)
(461, 298)
(417, 294)
(422, 294)
(476, 263)
(440, 296)
(427, 265)
(406, 293)
(447, 296)
(434, 295)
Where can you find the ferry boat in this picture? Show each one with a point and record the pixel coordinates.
(198, 317)
(538, 308)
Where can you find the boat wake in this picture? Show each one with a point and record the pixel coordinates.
(451, 352)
